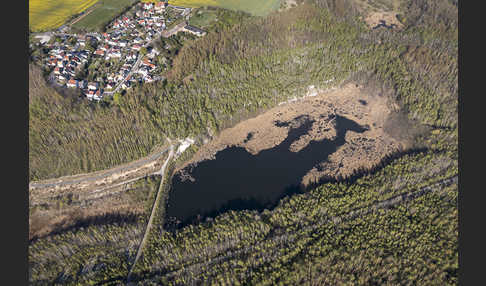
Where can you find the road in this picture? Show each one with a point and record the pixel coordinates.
(135, 66)
(152, 215)
(62, 181)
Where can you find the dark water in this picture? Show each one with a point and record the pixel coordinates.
(237, 180)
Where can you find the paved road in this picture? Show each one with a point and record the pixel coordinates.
(152, 215)
(135, 66)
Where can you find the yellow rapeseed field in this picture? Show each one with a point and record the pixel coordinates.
(50, 14)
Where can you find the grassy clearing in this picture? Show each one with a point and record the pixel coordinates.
(203, 18)
(50, 14)
(104, 13)
(254, 7)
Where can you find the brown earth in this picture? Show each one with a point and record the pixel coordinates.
(389, 17)
(59, 206)
(361, 150)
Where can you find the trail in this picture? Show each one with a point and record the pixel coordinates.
(154, 207)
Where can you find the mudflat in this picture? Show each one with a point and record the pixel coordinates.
(361, 150)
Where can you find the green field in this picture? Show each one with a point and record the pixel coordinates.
(106, 11)
(203, 18)
(254, 7)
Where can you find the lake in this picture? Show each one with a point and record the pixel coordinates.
(237, 180)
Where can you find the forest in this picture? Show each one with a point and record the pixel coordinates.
(407, 228)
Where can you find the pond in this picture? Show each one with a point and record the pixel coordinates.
(237, 180)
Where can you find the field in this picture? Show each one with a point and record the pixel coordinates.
(203, 19)
(254, 7)
(50, 14)
(106, 11)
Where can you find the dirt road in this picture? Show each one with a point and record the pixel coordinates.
(152, 215)
(95, 176)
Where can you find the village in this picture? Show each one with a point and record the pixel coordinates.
(101, 64)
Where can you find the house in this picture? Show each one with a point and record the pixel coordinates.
(194, 30)
(97, 95)
(148, 79)
(90, 94)
(136, 47)
(114, 54)
(145, 62)
(110, 85)
(142, 72)
(148, 6)
(72, 83)
(137, 40)
(99, 52)
(81, 84)
(160, 7)
(93, 86)
(57, 70)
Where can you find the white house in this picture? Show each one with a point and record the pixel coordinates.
(89, 94)
(93, 86)
(148, 6)
(97, 95)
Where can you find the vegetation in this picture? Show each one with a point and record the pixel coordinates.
(104, 13)
(50, 14)
(254, 7)
(387, 227)
(96, 251)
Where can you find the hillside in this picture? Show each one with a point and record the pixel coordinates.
(393, 223)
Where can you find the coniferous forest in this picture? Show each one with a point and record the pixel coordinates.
(396, 224)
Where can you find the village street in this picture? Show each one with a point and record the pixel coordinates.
(103, 63)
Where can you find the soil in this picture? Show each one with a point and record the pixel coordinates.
(361, 150)
(388, 18)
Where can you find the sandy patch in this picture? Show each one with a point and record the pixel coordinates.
(386, 18)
